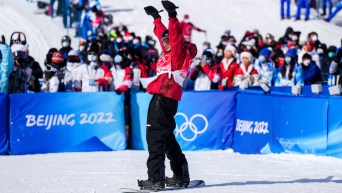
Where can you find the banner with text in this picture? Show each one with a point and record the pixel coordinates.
(274, 124)
(3, 124)
(66, 122)
(205, 120)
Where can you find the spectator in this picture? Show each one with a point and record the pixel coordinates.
(70, 72)
(288, 9)
(310, 49)
(206, 73)
(6, 64)
(107, 64)
(20, 75)
(336, 67)
(122, 74)
(333, 14)
(300, 4)
(90, 75)
(265, 68)
(187, 28)
(228, 66)
(291, 73)
(66, 46)
(246, 70)
(324, 7)
(51, 81)
(311, 72)
(326, 61)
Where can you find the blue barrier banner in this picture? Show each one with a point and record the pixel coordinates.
(253, 124)
(3, 124)
(335, 127)
(205, 120)
(274, 124)
(66, 122)
(140, 102)
(300, 124)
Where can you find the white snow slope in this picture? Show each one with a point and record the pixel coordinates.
(106, 172)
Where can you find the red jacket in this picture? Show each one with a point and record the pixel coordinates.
(179, 58)
(227, 75)
(187, 28)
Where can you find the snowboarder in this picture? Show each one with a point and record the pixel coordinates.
(166, 89)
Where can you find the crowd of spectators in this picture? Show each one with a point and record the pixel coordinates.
(113, 58)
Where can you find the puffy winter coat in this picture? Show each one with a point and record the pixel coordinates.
(172, 67)
(6, 65)
(227, 68)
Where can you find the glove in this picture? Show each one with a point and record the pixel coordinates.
(118, 92)
(152, 11)
(170, 8)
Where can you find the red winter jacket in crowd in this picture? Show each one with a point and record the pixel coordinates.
(242, 73)
(172, 67)
(228, 68)
(187, 28)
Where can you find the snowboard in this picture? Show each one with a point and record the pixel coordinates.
(193, 184)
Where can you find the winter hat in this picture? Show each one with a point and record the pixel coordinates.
(332, 49)
(186, 16)
(94, 48)
(165, 34)
(106, 58)
(292, 53)
(266, 52)
(57, 58)
(306, 56)
(291, 44)
(231, 48)
(246, 54)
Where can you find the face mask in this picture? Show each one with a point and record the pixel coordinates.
(320, 51)
(118, 40)
(288, 60)
(262, 59)
(294, 38)
(186, 20)
(105, 20)
(130, 38)
(205, 47)
(92, 58)
(306, 62)
(65, 44)
(100, 34)
(112, 39)
(249, 47)
(314, 38)
(219, 54)
(135, 41)
(82, 48)
(151, 42)
(331, 54)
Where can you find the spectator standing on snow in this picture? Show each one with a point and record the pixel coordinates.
(187, 28)
(333, 14)
(300, 4)
(282, 9)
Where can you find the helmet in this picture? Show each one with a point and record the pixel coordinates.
(66, 39)
(165, 34)
(57, 58)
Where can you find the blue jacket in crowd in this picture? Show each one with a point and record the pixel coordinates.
(311, 74)
(6, 65)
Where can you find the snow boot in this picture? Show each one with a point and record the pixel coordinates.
(182, 180)
(151, 184)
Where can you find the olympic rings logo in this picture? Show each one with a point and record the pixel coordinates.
(189, 124)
